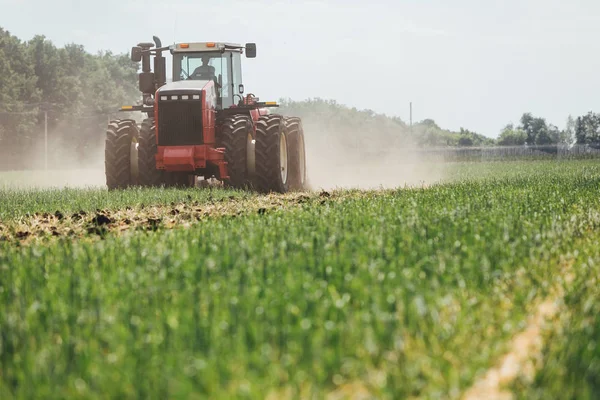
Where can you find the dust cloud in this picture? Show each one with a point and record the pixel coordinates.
(336, 158)
(346, 159)
(72, 162)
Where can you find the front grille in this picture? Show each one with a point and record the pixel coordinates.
(179, 123)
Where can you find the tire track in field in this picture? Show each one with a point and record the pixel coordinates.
(32, 229)
(525, 349)
(523, 358)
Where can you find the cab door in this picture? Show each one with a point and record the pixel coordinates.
(236, 78)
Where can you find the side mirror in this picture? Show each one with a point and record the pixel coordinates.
(241, 89)
(251, 50)
(136, 54)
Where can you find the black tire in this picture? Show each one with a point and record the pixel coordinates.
(149, 175)
(269, 171)
(234, 138)
(297, 153)
(120, 155)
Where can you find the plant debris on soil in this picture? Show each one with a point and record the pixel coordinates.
(144, 217)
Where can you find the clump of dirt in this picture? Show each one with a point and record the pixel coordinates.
(101, 220)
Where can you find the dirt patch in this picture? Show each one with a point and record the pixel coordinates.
(33, 228)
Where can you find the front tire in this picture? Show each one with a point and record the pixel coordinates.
(236, 137)
(149, 175)
(271, 152)
(121, 154)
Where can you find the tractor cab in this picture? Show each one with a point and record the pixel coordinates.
(217, 62)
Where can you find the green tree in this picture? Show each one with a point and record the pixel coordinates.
(511, 136)
(77, 88)
(537, 130)
(587, 128)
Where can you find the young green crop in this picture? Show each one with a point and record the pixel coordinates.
(570, 366)
(406, 293)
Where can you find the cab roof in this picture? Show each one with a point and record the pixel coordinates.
(204, 46)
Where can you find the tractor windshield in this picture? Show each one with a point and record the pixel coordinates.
(205, 66)
(222, 68)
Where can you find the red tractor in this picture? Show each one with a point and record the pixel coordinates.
(202, 124)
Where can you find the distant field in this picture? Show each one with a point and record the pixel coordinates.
(402, 293)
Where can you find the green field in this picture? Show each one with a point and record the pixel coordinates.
(406, 293)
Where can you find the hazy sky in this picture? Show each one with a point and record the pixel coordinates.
(465, 63)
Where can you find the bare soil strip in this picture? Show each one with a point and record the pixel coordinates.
(33, 229)
(525, 353)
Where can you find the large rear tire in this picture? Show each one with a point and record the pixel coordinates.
(236, 137)
(297, 153)
(121, 154)
(271, 155)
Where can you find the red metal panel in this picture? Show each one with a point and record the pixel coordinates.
(200, 156)
(190, 158)
(209, 112)
(178, 158)
(156, 115)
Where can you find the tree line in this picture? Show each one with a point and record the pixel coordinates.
(530, 131)
(67, 89)
(583, 130)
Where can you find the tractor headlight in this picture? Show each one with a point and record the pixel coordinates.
(150, 101)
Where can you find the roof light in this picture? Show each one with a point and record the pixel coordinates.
(211, 44)
(184, 46)
(196, 97)
(185, 97)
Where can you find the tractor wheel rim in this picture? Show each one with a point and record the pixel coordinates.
(283, 158)
(302, 157)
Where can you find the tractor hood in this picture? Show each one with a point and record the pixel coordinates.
(183, 86)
